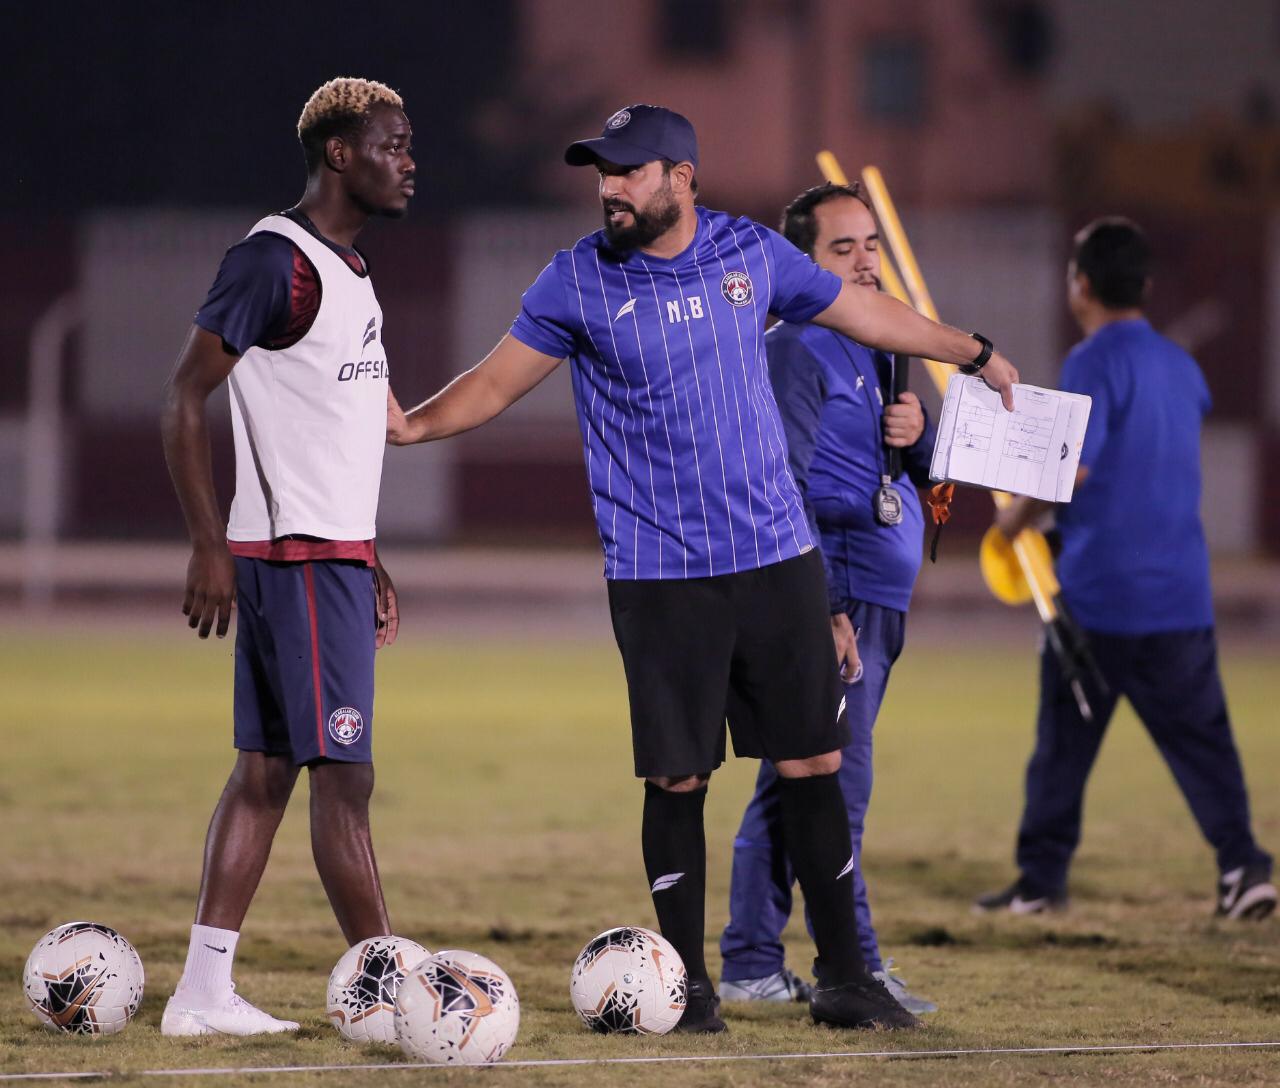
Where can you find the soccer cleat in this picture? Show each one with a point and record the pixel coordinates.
(782, 985)
(862, 1004)
(1020, 898)
(897, 987)
(1246, 893)
(231, 1015)
(702, 1010)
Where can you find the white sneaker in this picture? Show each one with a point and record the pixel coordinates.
(897, 986)
(187, 1014)
(782, 985)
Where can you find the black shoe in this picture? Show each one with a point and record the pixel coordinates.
(862, 1004)
(1021, 898)
(1246, 893)
(702, 1010)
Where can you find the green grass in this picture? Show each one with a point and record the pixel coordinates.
(506, 821)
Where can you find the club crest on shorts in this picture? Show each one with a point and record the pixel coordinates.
(619, 119)
(346, 725)
(736, 288)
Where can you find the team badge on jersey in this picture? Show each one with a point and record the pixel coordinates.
(345, 725)
(619, 119)
(736, 288)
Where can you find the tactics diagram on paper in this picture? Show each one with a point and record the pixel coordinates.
(1033, 450)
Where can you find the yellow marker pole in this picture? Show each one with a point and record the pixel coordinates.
(1028, 570)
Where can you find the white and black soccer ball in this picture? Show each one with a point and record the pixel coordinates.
(631, 981)
(83, 978)
(361, 1000)
(457, 1008)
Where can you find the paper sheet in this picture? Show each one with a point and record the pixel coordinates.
(1033, 450)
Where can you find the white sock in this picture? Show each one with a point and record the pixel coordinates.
(209, 958)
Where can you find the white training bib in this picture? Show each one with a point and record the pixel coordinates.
(310, 420)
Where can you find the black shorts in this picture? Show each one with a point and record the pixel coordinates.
(754, 648)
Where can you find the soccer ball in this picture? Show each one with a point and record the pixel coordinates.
(84, 979)
(629, 980)
(457, 1008)
(362, 988)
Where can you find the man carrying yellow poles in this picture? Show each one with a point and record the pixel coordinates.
(858, 446)
(1017, 570)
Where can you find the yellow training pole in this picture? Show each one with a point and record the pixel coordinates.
(1028, 547)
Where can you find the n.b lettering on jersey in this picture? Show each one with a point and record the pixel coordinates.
(683, 444)
(685, 309)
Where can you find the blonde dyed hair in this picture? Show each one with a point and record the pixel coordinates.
(340, 108)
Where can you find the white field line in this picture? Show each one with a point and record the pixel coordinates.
(257, 1070)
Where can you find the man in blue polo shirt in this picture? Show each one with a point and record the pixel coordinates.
(836, 401)
(716, 593)
(1134, 570)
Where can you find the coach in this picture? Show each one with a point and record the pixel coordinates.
(1134, 570)
(841, 421)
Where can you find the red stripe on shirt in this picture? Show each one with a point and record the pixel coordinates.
(315, 654)
(303, 551)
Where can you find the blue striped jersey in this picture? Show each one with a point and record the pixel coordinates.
(685, 453)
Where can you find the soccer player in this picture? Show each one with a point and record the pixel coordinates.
(838, 414)
(1134, 571)
(293, 326)
(715, 589)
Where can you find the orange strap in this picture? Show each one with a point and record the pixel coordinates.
(940, 496)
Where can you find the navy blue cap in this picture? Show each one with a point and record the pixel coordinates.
(636, 135)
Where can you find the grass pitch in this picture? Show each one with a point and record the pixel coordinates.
(506, 821)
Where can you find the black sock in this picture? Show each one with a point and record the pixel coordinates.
(675, 857)
(816, 826)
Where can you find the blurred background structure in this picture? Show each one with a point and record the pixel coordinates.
(145, 139)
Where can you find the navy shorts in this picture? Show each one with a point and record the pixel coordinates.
(304, 659)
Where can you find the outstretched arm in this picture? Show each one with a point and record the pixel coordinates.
(495, 383)
(881, 321)
(202, 366)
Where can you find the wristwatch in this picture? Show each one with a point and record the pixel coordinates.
(983, 356)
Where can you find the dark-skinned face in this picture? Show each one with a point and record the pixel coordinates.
(379, 176)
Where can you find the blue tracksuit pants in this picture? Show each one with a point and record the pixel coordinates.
(1171, 679)
(762, 880)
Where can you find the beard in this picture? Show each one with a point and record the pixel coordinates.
(659, 216)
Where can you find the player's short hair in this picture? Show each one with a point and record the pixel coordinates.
(800, 227)
(1114, 253)
(340, 107)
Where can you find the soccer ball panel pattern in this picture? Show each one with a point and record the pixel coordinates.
(361, 999)
(457, 1008)
(630, 981)
(83, 978)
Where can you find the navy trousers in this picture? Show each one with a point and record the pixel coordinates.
(760, 893)
(1171, 679)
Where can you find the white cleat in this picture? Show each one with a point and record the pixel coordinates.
(232, 1015)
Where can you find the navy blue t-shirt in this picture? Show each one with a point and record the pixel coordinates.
(685, 453)
(267, 292)
(831, 392)
(1134, 559)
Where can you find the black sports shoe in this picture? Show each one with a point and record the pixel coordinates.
(862, 1004)
(1021, 898)
(1246, 893)
(702, 1010)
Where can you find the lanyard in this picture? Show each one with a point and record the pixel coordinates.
(886, 503)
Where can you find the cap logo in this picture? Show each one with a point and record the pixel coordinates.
(736, 288)
(619, 119)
